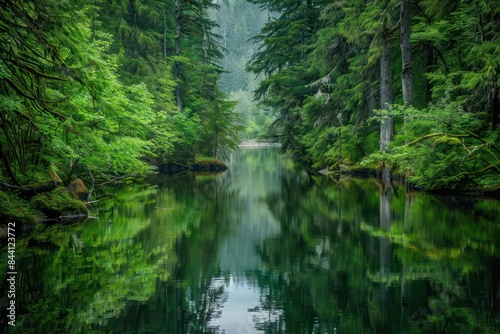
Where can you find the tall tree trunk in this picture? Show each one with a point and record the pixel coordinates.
(178, 48)
(405, 21)
(165, 35)
(495, 109)
(386, 125)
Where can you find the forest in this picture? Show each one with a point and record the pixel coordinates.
(107, 90)
(411, 85)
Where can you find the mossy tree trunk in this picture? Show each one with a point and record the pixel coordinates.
(405, 31)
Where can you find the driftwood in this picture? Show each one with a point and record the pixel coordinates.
(73, 217)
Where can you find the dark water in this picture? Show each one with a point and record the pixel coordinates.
(263, 248)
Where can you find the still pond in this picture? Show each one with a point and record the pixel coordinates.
(263, 248)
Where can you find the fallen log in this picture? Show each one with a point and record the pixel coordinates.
(28, 191)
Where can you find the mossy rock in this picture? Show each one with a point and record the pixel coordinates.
(59, 202)
(209, 165)
(53, 175)
(78, 190)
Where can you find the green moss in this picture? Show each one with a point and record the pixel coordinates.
(78, 190)
(18, 209)
(208, 160)
(53, 174)
(58, 202)
(209, 164)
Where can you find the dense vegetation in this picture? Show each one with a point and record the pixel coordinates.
(107, 89)
(409, 84)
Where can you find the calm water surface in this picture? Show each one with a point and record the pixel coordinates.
(263, 248)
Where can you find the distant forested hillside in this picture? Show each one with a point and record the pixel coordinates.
(239, 22)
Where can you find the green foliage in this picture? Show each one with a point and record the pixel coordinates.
(58, 201)
(84, 114)
(13, 207)
(254, 119)
(212, 125)
(332, 71)
(238, 22)
(444, 147)
(88, 89)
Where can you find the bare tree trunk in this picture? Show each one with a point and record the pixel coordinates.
(165, 35)
(495, 109)
(178, 48)
(386, 125)
(405, 21)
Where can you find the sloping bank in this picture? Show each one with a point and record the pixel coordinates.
(385, 175)
(53, 200)
(48, 201)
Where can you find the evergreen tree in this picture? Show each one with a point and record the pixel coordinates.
(197, 70)
(325, 86)
(282, 58)
(63, 101)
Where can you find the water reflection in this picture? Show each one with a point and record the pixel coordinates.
(264, 248)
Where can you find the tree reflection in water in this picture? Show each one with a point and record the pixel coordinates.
(265, 248)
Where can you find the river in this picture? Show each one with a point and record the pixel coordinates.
(263, 248)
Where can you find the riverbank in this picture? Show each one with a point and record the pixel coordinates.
(52, 201)
(375, 172)
(69, 203)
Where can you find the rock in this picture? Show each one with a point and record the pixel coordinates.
(209, 165)
(3, 231)
(78, 190)
(324, 171)
(53, 175)
(172, 168)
